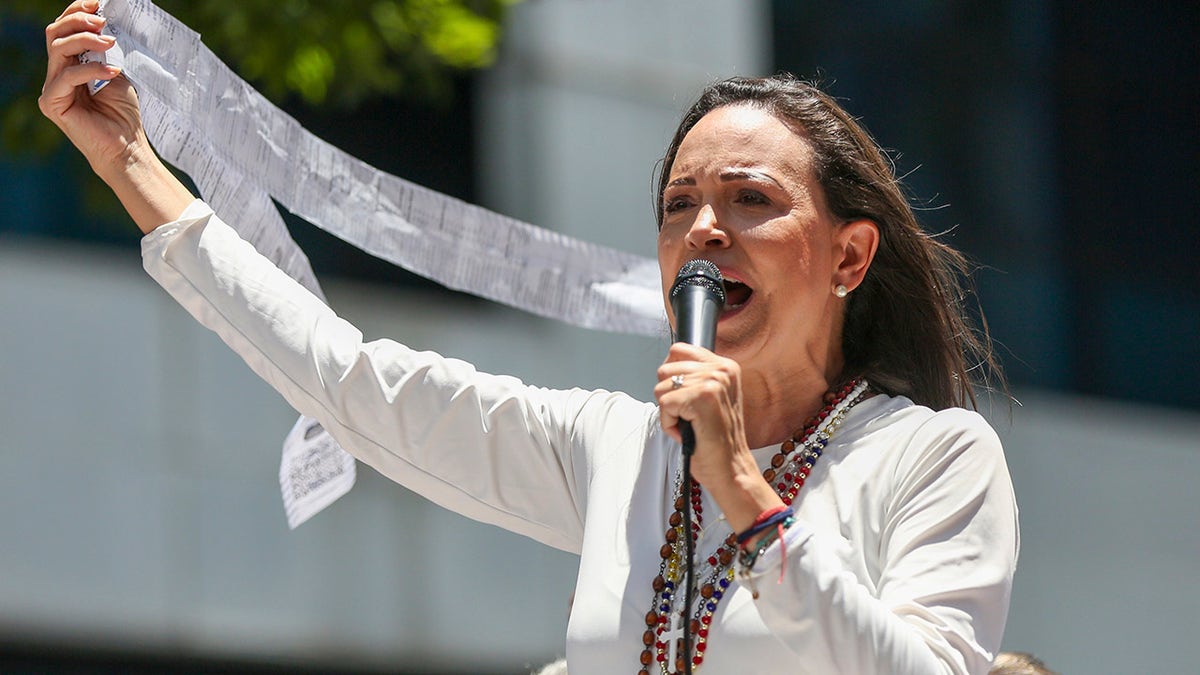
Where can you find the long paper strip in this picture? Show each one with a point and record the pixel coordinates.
(210, 123)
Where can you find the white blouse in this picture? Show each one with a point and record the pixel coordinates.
(901, 559)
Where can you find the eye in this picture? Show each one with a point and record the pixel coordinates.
(676, 204)
(751, 198)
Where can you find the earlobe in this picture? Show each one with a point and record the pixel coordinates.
(857, 242)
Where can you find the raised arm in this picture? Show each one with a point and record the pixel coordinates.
(485, 446)
(106, 127)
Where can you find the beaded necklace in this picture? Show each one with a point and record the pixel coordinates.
(789, 468)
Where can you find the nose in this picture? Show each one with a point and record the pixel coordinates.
(706, 232)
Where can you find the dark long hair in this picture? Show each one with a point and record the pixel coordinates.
(906, 327)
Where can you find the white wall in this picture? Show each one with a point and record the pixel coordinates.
(1110, 535)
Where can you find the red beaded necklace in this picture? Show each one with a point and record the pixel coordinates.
(789, 468)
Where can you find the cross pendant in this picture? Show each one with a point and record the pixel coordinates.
(674, 636)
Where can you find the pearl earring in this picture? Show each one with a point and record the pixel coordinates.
(841, 291)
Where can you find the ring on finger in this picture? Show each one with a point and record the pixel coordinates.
(676, 381)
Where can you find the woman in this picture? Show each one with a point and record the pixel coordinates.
(848, 518)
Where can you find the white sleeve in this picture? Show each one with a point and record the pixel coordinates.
(488, 447)
(947, 551)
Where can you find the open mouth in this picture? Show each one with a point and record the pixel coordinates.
(736, 294)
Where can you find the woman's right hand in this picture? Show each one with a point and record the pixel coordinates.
(106, 127)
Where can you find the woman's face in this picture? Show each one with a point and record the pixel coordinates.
(742, 193)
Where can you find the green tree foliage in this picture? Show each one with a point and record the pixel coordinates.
(321, 52)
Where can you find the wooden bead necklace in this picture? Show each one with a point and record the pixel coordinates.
(789, 468)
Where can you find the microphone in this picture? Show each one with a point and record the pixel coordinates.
(696, 299)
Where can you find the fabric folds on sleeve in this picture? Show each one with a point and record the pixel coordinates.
(488, 447)
(947, 551)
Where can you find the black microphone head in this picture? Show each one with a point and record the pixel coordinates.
(701, 273)
(696, 299)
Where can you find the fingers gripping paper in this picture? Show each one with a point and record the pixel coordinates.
(242, 152)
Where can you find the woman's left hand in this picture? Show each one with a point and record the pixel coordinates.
(705, 389)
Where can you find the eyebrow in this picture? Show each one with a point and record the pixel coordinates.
(729, 175)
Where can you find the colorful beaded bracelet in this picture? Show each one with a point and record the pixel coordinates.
(747, 558)
(767, 520)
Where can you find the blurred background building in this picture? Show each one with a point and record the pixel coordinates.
(140, 523)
